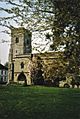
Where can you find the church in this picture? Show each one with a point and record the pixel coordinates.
(20, 56)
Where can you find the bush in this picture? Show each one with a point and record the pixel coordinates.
(48, 83)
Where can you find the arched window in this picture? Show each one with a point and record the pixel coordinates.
(22, 65)
(17, 40)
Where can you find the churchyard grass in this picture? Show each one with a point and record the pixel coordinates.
(38, 102)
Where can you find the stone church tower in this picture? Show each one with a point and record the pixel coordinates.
(19, 56)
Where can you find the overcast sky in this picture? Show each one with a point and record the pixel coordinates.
(4, 47)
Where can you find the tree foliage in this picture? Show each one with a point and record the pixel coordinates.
(54, 69)
(6, 64)
(66, 31)
(35, 14)
(36, 70)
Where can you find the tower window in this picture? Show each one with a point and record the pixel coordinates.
(27, 42)
(17, 40)
(22, 65)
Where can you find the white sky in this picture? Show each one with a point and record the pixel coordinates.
(4, 47)
(4, 50)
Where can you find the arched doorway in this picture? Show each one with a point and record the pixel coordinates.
(22, 78)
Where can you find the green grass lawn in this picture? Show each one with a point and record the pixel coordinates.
(17, 102)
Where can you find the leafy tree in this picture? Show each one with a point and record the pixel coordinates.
(55, 70)
(35, 14)
(36, 71)
(6, 64)
(66, 32)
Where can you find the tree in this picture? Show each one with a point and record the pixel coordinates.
(6, 64)
(34, 14)
(66, 32)
(36, 71)
(54, 69)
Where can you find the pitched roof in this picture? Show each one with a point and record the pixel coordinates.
(3, 67)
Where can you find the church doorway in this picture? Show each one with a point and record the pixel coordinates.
(22, 78)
